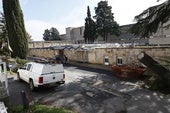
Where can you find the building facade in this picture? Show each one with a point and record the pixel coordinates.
(73, 34)
(161, 37)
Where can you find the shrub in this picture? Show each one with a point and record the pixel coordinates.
(40, 109)
(19, 63)
(17, 109)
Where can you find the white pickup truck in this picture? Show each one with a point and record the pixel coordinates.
(41, 74)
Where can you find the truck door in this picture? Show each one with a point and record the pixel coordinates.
(24, 72)
(28, 69)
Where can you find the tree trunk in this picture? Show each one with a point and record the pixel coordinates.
(163, 80)
(153, 65)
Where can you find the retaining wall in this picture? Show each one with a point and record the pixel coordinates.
(96, 56)
(40, 44)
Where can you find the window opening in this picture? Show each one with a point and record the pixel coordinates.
(119, 61)
(28, 67)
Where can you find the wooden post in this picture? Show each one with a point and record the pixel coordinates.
(25, 101)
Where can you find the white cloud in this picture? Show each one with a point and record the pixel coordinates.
(124, 12)
(75, 17)
(36, 28)
(24, 2)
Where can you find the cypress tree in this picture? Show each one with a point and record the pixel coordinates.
(90, 28)
(16, 28)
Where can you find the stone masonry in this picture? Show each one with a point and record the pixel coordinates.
(97, 55)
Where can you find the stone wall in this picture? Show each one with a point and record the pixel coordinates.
(77, 33)
(96, 56)
(160, 41)
(43, 53)
(128, 55)
(40, 44)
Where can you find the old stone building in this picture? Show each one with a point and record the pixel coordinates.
(77, 34)
(162, 37)
(74, 34)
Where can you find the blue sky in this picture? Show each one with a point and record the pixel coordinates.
(44, 14)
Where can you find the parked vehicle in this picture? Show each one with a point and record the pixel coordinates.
(41, 74)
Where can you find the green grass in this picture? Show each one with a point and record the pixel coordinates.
(40, 109)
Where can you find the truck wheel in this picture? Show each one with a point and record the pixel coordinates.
(32, 88)
(18, 77)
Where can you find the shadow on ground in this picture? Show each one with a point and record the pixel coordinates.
(103, 93)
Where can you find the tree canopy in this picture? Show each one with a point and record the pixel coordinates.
(16, 28)
(3, 34)
(4, 47)
(105, 23)
(90, 28)
(51, 35)
(151, 19)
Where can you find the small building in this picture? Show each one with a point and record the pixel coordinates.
(74, 34)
